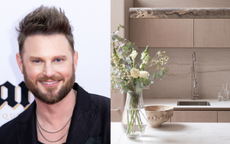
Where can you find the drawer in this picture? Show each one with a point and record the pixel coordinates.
(194, 116)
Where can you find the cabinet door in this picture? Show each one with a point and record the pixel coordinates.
(211, 32)
(223, 116)
(117, 105)
(194, 116)
(161, 32)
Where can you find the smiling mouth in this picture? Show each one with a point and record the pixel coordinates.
(50, 82)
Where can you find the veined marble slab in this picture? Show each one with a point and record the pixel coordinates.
(212, 71)
(176, 133)
(187, 13)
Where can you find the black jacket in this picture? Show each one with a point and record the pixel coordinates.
(90, 122)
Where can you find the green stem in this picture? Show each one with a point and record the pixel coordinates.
(133, 111)
(134, 63)
(138, 122)
(131, 121)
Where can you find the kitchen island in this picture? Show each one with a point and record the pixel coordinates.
(176, 133)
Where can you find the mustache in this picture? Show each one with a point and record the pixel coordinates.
(54, 78)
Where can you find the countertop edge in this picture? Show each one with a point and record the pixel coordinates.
(184, 13)
(215, 105)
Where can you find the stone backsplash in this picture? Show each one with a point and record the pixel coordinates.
(212, 70)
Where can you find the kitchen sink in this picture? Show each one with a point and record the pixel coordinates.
(193, 103)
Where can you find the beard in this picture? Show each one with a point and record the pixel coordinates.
(49, 97)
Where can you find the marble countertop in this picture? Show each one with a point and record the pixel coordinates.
(176, 133)
(215, 104)
(186, 13)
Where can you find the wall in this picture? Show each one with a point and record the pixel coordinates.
(91, 22)
(212, 63)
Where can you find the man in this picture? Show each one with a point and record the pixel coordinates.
(62, 111)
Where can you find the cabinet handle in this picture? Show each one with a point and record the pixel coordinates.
(115, 109)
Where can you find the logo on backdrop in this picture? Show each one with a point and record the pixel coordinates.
(12, 95)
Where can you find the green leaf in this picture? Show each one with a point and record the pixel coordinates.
(118, 28)
(146, 81)
(113, 64)
(155, 74)
(128, 60)
(128, 44)
(115, 37)
(161, 73)
(122, 61)
(122, 26)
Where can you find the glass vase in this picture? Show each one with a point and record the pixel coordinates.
(134, 116)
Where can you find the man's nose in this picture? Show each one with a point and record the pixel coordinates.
(48, 70)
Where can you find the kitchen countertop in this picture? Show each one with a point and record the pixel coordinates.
(176, 133)
(215, 104)
(188, 13)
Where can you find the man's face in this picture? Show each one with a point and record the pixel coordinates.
(48, 66)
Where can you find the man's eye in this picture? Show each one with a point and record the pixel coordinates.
(36, 61)
(58, 60)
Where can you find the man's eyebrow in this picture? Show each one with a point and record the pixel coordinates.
(59, 56)
(34, 57)
(55, 57)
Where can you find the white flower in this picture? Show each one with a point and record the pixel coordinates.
(159, 53)
(145, 61)
(143, 74)
(141, 65)
(144, 58)
(134, 72)
(133, 54)
(143, 55)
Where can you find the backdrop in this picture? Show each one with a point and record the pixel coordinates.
(91, 22)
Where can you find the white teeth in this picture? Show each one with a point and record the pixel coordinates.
(49, 82)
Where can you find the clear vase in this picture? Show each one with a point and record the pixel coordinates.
(134, 116)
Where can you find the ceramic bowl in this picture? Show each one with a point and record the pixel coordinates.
(158, 114)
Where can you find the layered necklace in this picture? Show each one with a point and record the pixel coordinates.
(41, 128)
(54, 132)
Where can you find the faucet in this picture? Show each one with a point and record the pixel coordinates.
(194, 82)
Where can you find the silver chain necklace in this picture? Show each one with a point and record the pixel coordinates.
(39, 126)
(50, 140)
(55, 131)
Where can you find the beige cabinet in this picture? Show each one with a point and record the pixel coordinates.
(161, 32)
(211, 32)
(223, 116)
(117, 105)
(180, 32)
(194, 116)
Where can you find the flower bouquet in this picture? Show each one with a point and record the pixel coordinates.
(132, 77)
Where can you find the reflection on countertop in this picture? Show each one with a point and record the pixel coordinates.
(178, 133)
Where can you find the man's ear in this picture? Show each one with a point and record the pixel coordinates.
(19, 61)
(75, 59)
